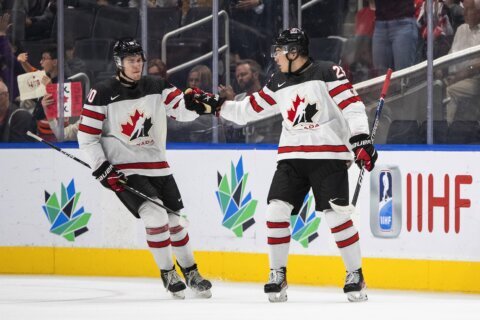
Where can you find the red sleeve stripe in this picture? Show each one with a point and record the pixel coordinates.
(159, 244)
(175, 230)
(349, 241)
(340, 89)
(255, 105)
(342, 227)
(276, 225)
(176, 104)
(172, 95)
(88, 129)
(278, 240)
(93, 114)
(325, 148)
(266, 97)
(158, 230)
(345, 103)
(181, 243)
(143, 165)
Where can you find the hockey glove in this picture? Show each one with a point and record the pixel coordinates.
(202, 102)
(365, 153)
(109, 177)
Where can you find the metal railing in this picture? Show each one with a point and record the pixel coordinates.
(222, 49)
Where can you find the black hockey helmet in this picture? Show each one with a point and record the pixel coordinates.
(291, 39)
(126, 47)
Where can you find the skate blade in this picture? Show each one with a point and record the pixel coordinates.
(205, 294)
(357, 296)
(178, 295)
(278, 296)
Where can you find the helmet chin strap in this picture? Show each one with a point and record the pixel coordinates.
(290, 61)
(125, 80)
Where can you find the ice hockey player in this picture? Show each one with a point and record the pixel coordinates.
(324, 120)
(123, 132)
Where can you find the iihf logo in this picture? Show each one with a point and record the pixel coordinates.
(385, 201)
(62, 214)
(138, 127)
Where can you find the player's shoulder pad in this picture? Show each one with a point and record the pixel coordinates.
(327, 71)
(100, 93)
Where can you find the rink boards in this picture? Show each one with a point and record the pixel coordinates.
(418, 218)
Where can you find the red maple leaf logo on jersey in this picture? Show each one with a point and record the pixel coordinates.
(137, 127)
(128, 128)
(293, 110)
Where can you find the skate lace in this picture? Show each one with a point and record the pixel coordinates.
(276, 276)
(194, 278)
(352, 278)
(172, 278)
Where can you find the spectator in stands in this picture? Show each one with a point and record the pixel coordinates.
(201, 129)
(395, 36)
(248, 76)
(150, 3)
(464, 83)
(40, 27)
(73, 64)
(10, 68)
(253, 23)
(358, 63)
(31, 8)
(49, 65)
(157, 67)
(23, 59)
(14, 122)
(200, 76)
(365, 20)
(456, 13)
(442, 29)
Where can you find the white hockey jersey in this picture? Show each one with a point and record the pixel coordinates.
(128, 127)
(320, 110)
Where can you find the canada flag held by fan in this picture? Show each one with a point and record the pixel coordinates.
(72, 100)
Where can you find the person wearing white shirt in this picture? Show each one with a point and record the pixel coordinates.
(464, 84)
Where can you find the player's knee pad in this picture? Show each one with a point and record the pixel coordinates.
(279, 211)
(152, 215)
(335, 219)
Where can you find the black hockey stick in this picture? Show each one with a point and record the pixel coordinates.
(349, 209)
(71, 156)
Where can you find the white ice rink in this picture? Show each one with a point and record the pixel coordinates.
(46, 297)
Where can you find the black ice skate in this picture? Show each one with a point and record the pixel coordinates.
(173, 283)
(355, 286)
(196, 282)
(276, 288)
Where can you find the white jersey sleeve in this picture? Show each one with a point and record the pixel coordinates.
(90, 129)
(348, 100)
(259, 105)
(175, 105)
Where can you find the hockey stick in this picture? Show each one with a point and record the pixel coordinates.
(71, 156)
(349, 209)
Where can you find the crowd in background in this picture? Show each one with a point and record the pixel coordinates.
(365, 41)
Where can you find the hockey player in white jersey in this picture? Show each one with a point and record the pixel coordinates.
(324, 120)
(123, 132)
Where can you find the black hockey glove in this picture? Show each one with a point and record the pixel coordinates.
(365, 153)
(109, 177)
(202, 102)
